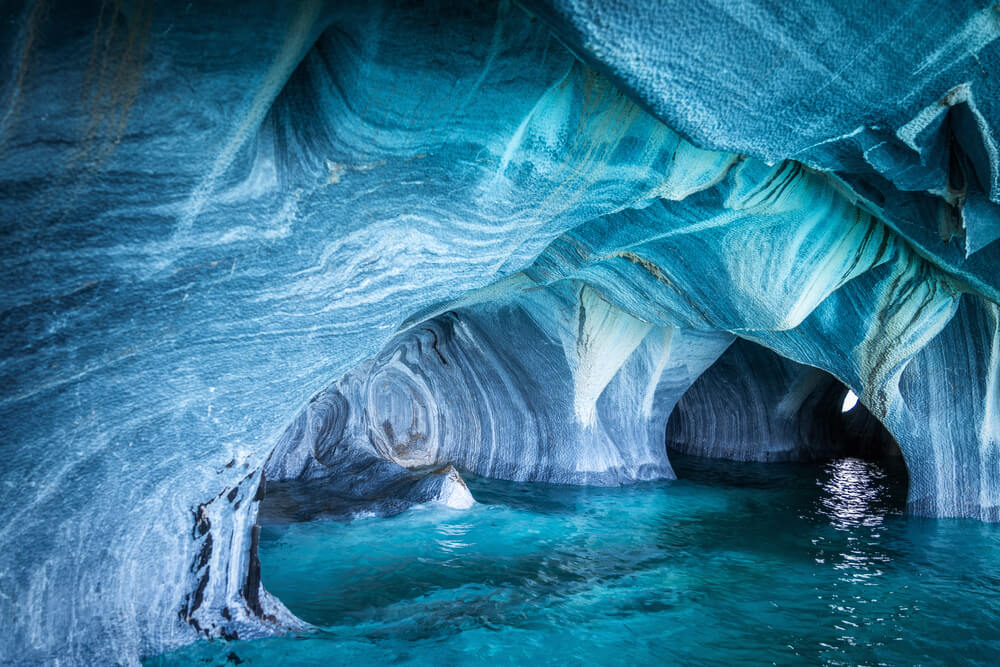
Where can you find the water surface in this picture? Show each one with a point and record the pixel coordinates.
(733, 563)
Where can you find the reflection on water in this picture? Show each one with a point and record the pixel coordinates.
(734, 563)
(853, 494)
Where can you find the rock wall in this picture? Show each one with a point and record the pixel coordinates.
(550, 385)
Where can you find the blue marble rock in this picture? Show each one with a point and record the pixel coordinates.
(903, 97)
(240, 244)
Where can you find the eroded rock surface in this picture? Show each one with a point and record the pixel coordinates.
(552, 384)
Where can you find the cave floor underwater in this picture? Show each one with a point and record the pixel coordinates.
(733, 563)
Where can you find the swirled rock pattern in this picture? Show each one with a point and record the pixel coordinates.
(212, 215)
(900, 103)
(507, 390)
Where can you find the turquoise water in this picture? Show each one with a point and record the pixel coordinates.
(734, 563)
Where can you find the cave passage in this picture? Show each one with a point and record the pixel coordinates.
(429, 279)
(754, 405)
(786, 509)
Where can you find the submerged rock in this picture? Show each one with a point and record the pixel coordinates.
(378, 489)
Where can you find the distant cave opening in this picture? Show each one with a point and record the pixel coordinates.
(755, 406)
(850, 400)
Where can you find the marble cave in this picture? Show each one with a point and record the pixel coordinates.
(500, 332)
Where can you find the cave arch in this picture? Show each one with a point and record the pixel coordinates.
(547, 384)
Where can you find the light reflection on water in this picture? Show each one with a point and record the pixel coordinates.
(853, 494)
(735, 563)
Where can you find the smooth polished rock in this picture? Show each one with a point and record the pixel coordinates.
(506, 389)
(205, 227)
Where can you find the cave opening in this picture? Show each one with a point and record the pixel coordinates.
(753, 410)
(754, 405)
(850, 400)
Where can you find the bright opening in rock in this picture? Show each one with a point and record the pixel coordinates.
(850, 400)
